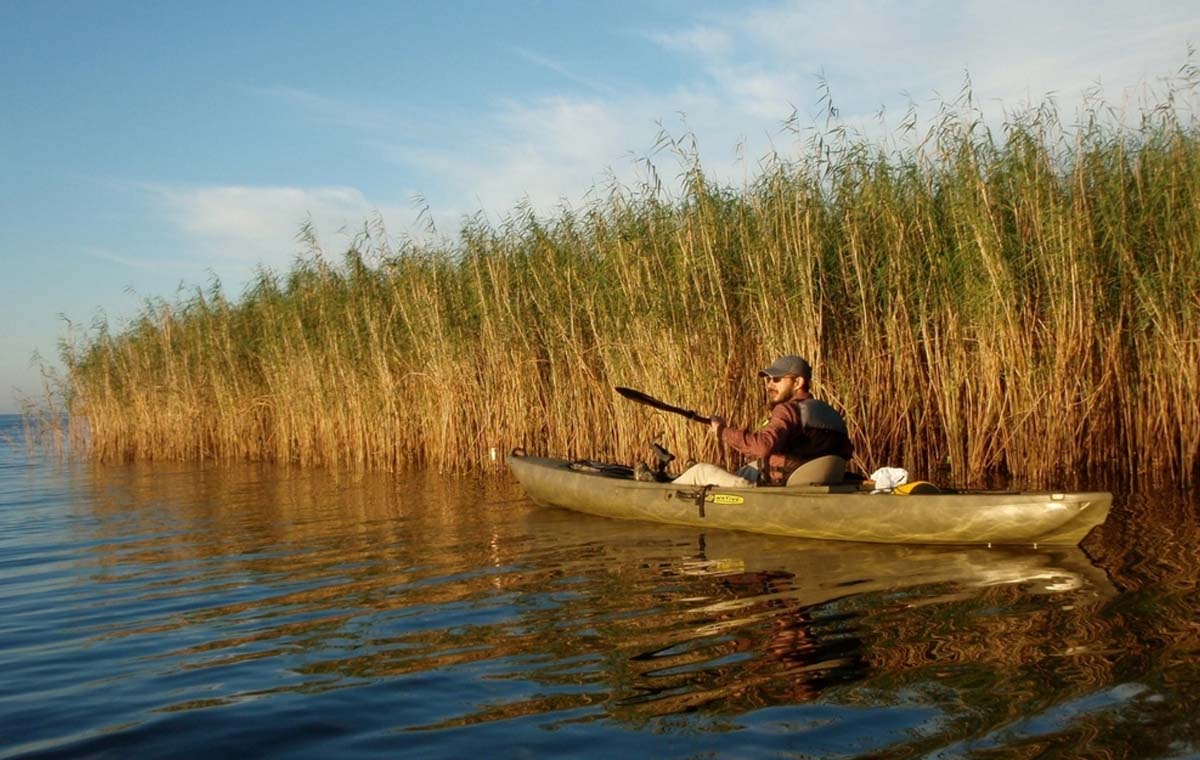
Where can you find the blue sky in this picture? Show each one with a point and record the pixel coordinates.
(144, 145)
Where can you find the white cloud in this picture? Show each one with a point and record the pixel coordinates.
(1074, 47)
(759, 95)
(697, 40)
(262, 220)
(234, 229)
(544, 150)
(872, 52)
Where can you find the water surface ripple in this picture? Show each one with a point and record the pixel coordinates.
(187, 610)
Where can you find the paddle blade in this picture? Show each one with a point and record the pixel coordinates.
(642, 398)
(637, 396)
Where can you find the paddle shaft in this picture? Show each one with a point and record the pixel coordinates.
(642, 398)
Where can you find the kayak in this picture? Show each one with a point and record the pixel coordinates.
(846, 512)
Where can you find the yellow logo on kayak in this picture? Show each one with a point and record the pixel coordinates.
(725, 498)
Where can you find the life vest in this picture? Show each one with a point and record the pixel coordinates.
(815, 413)
(823, 432)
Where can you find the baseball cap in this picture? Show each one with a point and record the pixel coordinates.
(788, 365)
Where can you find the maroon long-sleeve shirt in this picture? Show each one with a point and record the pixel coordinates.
(785, 442)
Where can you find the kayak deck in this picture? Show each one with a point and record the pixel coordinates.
(843, 512)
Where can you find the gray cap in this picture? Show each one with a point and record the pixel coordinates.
(788, 365)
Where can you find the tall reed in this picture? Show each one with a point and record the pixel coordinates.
(1023, 304)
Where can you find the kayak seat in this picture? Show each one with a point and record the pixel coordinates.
(822, 471)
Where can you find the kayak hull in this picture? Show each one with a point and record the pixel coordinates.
(844, 513)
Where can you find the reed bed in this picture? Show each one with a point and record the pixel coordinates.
(1022, 304)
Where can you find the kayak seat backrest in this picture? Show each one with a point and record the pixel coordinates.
(822, 471)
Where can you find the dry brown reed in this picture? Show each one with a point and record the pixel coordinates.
(1024, 305)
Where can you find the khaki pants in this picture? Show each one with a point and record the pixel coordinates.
(710, 475)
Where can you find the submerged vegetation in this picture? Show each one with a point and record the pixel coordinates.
(1020, 302)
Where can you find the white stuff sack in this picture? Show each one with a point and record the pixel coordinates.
(887, 478)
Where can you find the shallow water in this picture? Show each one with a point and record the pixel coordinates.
(154, 610)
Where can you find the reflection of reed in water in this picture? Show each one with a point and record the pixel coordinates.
(755, 647)
(280, 563)
(194, 511)
(1151, 538)
(1091, 672)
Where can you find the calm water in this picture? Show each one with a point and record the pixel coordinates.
(190, 610)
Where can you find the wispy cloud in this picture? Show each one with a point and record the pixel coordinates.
(698, 40)
(135, 262)
(564, 71)
(365, 117)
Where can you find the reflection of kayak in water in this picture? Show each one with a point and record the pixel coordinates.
(818, 571)
(822, 571)
(827, 512)
(730, 620)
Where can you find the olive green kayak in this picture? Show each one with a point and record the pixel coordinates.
(842, 512)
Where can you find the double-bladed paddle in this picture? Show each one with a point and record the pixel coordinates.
(642, 398)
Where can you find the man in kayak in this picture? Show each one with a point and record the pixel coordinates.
(802, 432)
